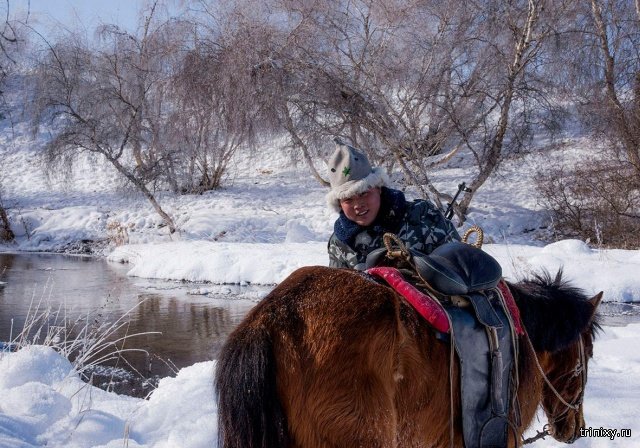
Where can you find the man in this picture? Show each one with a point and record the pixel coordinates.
(369, 209)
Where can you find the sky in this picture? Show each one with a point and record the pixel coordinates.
(52, 16)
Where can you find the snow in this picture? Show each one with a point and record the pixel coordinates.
(269, 219)
(45, 402)
(613, 271)
(235, 263)
(594, 270)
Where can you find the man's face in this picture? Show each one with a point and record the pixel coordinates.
(363, 208)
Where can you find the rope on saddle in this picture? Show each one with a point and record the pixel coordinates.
(399, 250)
(479, 237)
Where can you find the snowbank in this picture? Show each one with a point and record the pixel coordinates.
(235, 263)
(611, 271)
(44, 403)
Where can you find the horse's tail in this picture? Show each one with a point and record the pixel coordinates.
(249, 412)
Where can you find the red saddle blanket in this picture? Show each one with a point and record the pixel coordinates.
(430, 308)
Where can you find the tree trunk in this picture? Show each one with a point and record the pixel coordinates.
(629, 142)
(492, 158)
(147, 194)
(6, 234)
(407, 172)
(495, 151)
(298, 142)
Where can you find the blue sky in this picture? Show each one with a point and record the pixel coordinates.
(48, 16)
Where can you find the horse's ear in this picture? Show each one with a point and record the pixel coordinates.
(595, 301)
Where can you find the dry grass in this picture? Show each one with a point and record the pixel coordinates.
(87, 341)
(117, 233)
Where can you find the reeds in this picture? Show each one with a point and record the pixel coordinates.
(86, 341)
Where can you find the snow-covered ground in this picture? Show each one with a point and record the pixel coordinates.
(613, 271)
(269, 219)
(44, 403)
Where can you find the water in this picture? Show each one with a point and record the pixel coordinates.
(617, 314)
(192, 326)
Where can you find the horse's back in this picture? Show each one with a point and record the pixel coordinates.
(335, 337)
(348, 358)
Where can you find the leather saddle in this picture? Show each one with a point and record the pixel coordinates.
(452, 269)
(481, 334)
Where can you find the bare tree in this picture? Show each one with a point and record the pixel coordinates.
(616, 28)
(104, 100)
(8, 41)
(529, 25)
(597, 68)
(8, 45)
(413, 84)
(215, 115)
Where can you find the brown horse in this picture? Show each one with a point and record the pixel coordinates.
(332, 359)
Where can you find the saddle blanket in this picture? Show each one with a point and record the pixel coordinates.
(429, 307)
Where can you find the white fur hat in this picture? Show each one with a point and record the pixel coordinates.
(351, 174)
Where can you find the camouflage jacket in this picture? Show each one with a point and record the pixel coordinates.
(419, 224)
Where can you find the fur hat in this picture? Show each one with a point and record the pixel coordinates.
(351, 174)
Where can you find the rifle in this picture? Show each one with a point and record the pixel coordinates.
(461, 187)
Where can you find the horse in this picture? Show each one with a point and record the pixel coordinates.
(331, 358)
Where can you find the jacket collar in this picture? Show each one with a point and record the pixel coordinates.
(392, 208)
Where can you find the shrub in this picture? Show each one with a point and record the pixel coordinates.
(598, 202)
(87, 341)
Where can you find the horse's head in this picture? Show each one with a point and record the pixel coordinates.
(566, 370)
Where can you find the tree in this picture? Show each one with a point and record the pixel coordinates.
(616, 35)
(528, 27)
(107, 101)
(413, 84)
(214, 116)
(597, 69)
(8, 44)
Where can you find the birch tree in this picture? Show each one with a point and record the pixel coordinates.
(616, 27)
(529, 24)
(598, 69)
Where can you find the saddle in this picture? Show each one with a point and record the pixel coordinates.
(451, 269)
(466, 298)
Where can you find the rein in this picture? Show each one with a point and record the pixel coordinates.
(579, 369)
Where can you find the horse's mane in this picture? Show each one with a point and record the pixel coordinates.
(553, 311)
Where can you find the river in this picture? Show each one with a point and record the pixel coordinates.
(191, 320)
